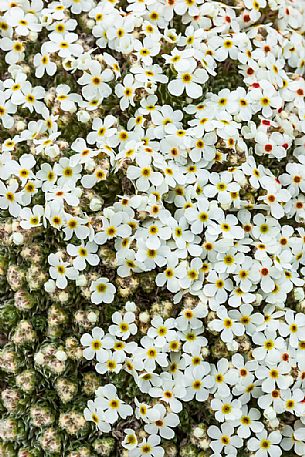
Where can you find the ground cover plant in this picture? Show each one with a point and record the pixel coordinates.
(152, 239)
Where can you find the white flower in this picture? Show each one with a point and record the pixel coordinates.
(77, 225)
(265, 445)
(170, 391)
(144, 175)
(108, 401)
(130, 441)
(249, 422)
(78, 6)
(163, 424)
(198, 382)
(169, 275)
(96, 344)
(68, 173)
(63, 44)
(226, 409)
(67, 101)
(104, 131)
(150, 354)
(95, 414)
(6, 109)
(294, 326)
(85, 253)
(102, 291)
(190, 317)
(190, 80)
(10, 198)
(217, 287)
(112, 228)
(95, 82)
(31, 218)
(226, 325)
(223, 438)
(43, 65)
(273, 376)
(61, 271)
(124, 325)
(30, 97)
(126, 91)
(148, 448)
(224, 376)
(14, 50)
(294, 438)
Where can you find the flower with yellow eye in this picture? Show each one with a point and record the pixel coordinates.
(264, 444)
(224, 377)
(113, 407)
(198, 382)
(24, 169)
(93, 414)
(61, 271)
(169, 276)
(10, 198)
(30, 97)
(191, 80)
(6, 109)
(124, 325)
(96, 344)
(113, 226)
(217, 286)
(43, 64)
(149, 447)
(67, 173)
(163, 422)
(146, 50)
(144, 175)
(226, 409)
(13, 86)
(14, 50)
(66, 99)
(102, 291)
(156, 233)
(249, 422)
(148, 355)
(226, 325)
(222, 185)
(103, 131)
(23, 23)
(83, 254)
(224, 439)
(294, 327)
(265, 97)
(47, 175)
(64, 44)
(94, 81)
(162, 331)
(274, 375)
(31, 217)
(78, 226)
(268, 344)
(201, 214)
(126, 91)
(130, 441)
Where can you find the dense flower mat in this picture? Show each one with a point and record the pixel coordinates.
(152, 197)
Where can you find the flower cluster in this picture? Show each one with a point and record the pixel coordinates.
(170, 365)
(165, 139)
